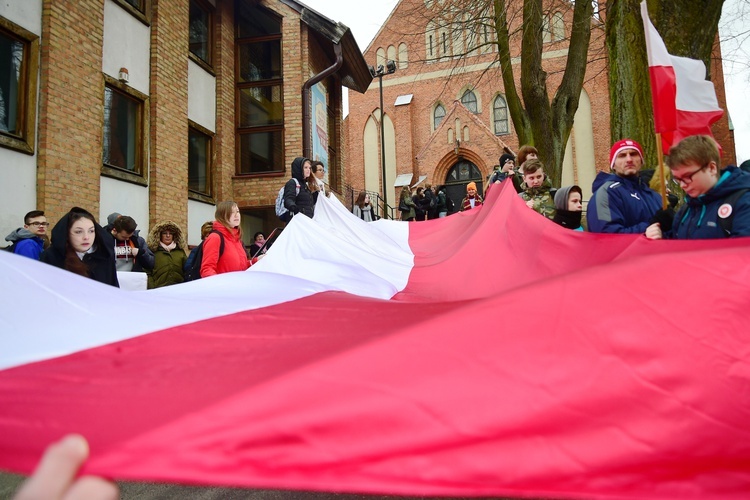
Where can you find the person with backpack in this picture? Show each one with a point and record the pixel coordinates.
(442, 202)
(298, 198)
(223, 250)
(717, 203)
(31, 239)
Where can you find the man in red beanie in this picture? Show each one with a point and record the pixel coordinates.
(621, 202)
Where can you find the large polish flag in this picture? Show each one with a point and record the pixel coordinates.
(684, 101)
(489, 353)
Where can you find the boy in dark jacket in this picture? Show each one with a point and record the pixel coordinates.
(714, 196)
(131, 252)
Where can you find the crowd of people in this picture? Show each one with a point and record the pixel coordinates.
(716, 202)
(80, 245)
(716, 205)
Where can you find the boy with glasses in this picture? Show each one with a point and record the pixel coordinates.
(31, 239)
(717, 202)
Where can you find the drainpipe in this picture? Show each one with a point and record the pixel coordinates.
(306, 133)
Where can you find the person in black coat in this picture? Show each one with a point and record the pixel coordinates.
(298, 198)
(82, 246)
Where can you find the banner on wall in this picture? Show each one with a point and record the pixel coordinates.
(320, 126)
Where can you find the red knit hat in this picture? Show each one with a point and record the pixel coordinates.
(622, 145)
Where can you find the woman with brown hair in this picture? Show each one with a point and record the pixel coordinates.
(83, 247)
(363, 208)
(406, 205)
(223, 250)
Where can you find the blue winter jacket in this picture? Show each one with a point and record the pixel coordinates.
(621, 204)
(699, 217)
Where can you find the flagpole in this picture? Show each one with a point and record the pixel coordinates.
(662, 177)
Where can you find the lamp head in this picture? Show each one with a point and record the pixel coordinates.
(390, 66)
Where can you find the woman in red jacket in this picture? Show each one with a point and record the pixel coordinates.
(234, 257)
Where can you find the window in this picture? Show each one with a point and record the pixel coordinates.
(19, 55)
(500, 115)
(140, 9)
(464, 171)
(546, 30)
(199, 159)
(438, 115)
(403, 56)
(558, 26)
(123, 129)
(469, 99)
(201, 31)
(259, 83)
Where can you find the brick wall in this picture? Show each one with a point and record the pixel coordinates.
(224, 141)
(720, 129)
(168, 152)
(70, 106)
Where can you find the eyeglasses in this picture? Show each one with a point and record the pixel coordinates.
(687, 179)
(37, 224)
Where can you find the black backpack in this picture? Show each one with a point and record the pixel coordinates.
(193, 266)
(10, 248)
(449, 204)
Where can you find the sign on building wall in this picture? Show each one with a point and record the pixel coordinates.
(320, 126)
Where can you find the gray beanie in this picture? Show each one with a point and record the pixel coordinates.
(562, 194)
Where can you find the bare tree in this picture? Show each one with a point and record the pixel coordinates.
(541, 116)
(538, 121)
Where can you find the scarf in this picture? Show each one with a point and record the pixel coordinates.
(169, 247)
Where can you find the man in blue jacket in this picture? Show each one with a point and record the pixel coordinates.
(717, 202)
(621, 202)
(30, 239)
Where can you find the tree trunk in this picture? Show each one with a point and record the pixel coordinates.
(518, 114)
(545, 125)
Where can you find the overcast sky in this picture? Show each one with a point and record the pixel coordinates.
(365, 18)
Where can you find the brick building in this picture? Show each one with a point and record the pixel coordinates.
(446, 117)
(161, 108)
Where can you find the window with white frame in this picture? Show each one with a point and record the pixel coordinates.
(500, 115)
(437, 115)
(469, 99)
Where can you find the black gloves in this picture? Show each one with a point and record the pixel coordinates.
(672, 199)
(664, 218)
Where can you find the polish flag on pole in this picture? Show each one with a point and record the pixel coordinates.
(684, 101)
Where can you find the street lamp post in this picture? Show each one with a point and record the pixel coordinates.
(380, 72)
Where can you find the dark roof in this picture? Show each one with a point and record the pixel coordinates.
(354, 72)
